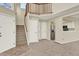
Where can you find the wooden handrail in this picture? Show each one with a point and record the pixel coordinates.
(25, 26)
(26, 12)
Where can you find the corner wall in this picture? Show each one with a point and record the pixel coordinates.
(58, 30)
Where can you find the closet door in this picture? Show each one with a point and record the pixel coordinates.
(33, 30)
(7, 32)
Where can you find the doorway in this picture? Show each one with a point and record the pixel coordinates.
(52, 31)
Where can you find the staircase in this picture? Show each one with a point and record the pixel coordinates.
(20, 35)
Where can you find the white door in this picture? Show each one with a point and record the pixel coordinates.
(43, 30)
(33, 30)
(7, 32)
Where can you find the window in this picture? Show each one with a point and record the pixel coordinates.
(6, 5)
(23, 6)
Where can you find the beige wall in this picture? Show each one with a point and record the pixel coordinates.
(19, 15)
(20, 18)
(58, 7)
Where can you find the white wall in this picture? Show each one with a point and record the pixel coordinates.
(72, 35)
(8, 32)
(52, 25)
(66, 36)
(58, 7)
(77, 24)
(58, 30)
(49, 30)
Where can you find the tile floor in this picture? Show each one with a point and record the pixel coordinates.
(45, 48)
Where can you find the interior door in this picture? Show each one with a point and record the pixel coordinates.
(43, 30)
(7, 32)
(33, 30)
